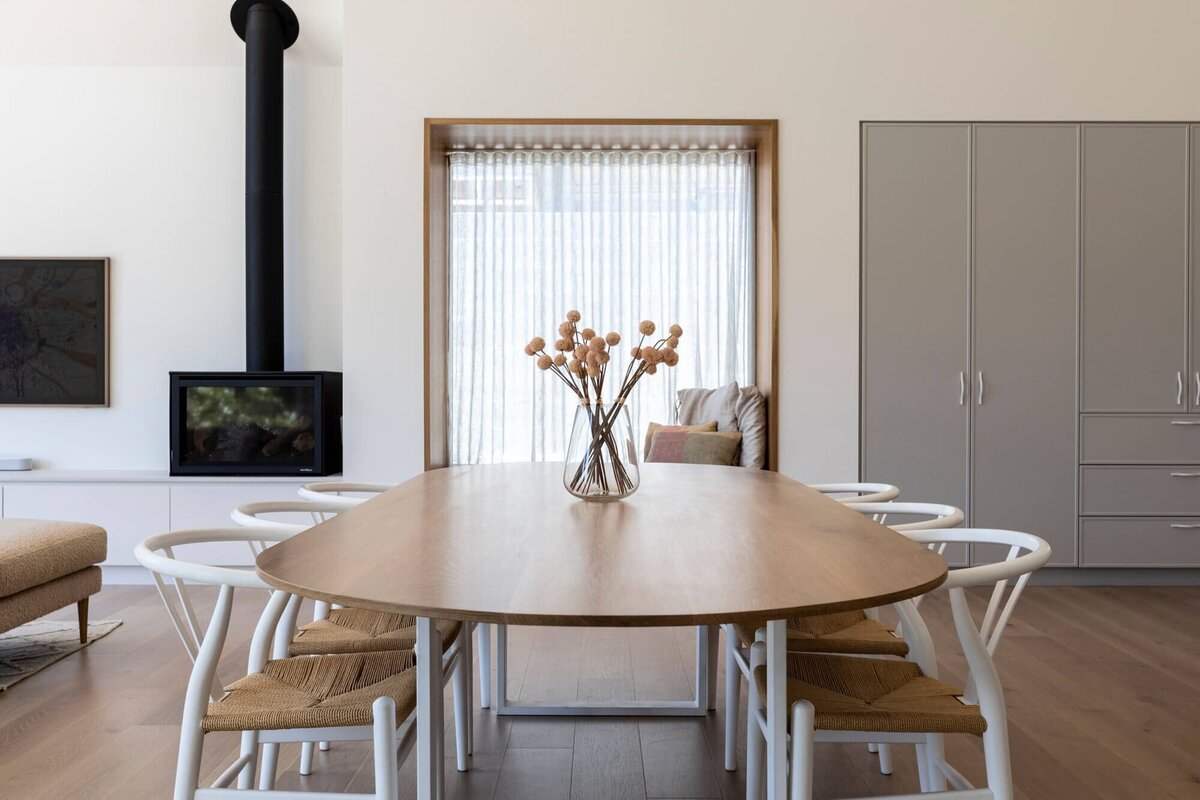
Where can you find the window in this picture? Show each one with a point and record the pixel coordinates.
(622, 236)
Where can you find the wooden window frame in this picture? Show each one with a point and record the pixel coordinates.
(445, 135)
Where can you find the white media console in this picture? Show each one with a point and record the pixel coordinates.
(133, 504)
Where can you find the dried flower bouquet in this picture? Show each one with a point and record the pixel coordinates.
(582, 360)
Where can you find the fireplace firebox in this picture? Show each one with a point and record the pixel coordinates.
(256, 423)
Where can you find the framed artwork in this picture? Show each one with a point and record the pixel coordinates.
(54, 331)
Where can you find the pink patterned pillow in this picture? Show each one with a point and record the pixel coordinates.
(687, 447)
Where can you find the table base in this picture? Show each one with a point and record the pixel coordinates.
(704, 700)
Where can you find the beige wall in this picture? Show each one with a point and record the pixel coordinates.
(819, 67)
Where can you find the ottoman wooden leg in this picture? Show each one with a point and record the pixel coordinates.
(82, 605)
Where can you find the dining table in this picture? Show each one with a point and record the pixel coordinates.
(696, 545)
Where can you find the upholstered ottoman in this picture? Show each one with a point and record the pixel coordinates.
(45, 566)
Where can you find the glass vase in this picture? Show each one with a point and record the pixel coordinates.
(602, 457)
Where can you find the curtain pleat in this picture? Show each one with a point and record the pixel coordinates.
(621, 236)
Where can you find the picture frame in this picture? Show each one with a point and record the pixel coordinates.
(54, 332)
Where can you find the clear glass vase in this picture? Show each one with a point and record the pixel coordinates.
(602, 456)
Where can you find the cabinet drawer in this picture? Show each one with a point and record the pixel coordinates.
(1140, 439)
(1139, 491)
(1139, 542)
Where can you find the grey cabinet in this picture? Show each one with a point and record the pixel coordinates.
(1023, 451)
(1194, 344)
(1134, 301)
(915, 309)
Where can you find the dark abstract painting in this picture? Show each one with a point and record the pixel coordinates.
(54, 331)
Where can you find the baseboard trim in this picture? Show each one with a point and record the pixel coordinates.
(1069, 576)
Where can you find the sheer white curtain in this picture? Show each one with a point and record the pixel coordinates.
(621, 236)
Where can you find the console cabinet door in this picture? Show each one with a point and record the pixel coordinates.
(1023, 452)
(1134, 268)
(1194, 373)
(916, 304)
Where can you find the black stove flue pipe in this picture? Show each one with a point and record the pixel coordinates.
(268, 27)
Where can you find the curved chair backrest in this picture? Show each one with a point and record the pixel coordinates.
(157, 554)
(861, 492)
(940, 515)
(341, 493)
(1026, 554)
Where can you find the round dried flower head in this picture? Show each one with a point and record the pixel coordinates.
(575, 366)
(588, 334)
(676, 331)
(591, 358)
(537, 343)
(593, 371)
(601, 357)
(581, 352)
(573, 316)
(559, 359)
(672, 341)
(651, 369)
(635, 352)
(646, 328)
(670, 358)
(596, 343)
(544, 362)
(529, 350)
(565, 329)
(563, 345)
(651, 355)
(613, 338)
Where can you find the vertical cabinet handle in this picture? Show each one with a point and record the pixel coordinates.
(1198, 388)
(1178, 388)
(979, 396)
(962, 388)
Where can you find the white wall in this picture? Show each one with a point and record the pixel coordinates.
(819, 67)
(121, 135)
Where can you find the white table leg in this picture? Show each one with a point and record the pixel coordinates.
(776, 709)
(430, 729)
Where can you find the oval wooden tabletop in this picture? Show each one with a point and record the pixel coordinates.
(695, 545)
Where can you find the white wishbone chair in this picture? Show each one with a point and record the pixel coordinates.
(353, 630)
(348, 495)
(850, 632)
(355, 697)
(859, 492)
(342, 493)
(836, 698)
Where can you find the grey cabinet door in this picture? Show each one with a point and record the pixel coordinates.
(916, 304)
(1194, 383)
(1023, 452)
(1134, 259)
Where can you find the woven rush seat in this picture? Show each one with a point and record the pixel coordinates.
(875, 694)
(358, 630)
(842, 632)
(316, 692)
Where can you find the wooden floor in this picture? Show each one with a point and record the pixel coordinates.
(1101, 686)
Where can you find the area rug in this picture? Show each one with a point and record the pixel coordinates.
(32, 647)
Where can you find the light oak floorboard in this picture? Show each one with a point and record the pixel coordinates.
(1099, 683)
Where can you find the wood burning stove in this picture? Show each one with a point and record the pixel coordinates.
(265, 421)
(256, 423)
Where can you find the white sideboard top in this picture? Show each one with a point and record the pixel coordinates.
(146, 476)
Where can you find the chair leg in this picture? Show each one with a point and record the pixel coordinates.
(885, 759)
(756, 753)
(935, 753)
(187, 770)
(803, 716)
(997, 761)
(82, 608)
(714, 656)
(249, 748)
(461, 680)
(468, 660)
(387, 782)
(484, 632)
(270, 765)
(306, 757)
(923, 767)
(733, 691)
